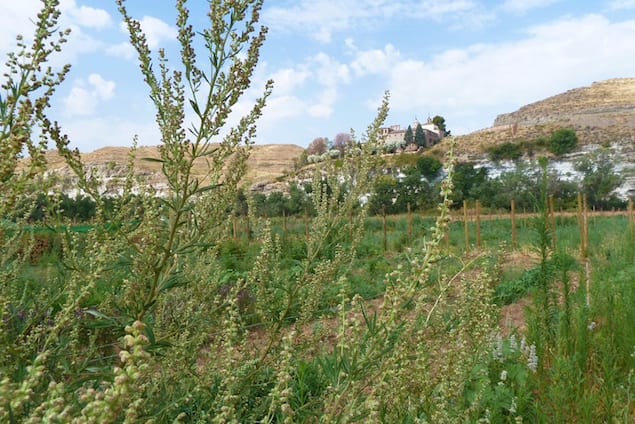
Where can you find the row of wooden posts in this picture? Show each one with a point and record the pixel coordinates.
(582, 215)
(582, 218)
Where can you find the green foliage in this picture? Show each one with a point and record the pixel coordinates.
(439, 121)
(384, 197)
(152, 314)
(403, 160)
(470, 183)
(420, 137)
(599, 179)
(507, 292)
(429, 167)
(409, 137)
(562, 141)
(505, 151)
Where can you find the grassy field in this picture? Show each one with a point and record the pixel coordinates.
(582, 356)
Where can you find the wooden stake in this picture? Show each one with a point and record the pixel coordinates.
(234, 229)
(247, 225)
(513, 224)
(467, 230)
(478, 224)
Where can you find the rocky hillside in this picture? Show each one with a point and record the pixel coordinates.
(602, 113)
(266, 163)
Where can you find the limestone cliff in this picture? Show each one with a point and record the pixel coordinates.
(602, 113)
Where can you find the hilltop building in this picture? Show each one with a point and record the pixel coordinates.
(395, 134)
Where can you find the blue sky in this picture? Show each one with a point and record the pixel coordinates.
(331, 60)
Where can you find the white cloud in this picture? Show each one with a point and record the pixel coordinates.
(375, 61)
(328, 71)
(488, 77)
(121, 50)
(522, 6)
(439, 9)
(19, 17)
(104, 89)
(288, 79)
(88, 134)
(85, 16)
(282, 107)
(324, 107)
(16, 18)
(156, 31)
(622, 4)
(322, 18)
(85, 95)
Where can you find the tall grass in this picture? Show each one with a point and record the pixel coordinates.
(164, 317)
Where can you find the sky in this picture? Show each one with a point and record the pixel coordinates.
(332, 60)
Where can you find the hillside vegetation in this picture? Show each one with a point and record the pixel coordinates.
(601, 113)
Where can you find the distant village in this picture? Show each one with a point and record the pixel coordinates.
(394, 139)
(415, 136)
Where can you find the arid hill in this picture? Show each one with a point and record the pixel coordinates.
(602, 113)
(266, 163)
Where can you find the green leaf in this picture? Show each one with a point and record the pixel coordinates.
(208, 187)
(195, 107)
(187, 208)
(100, 315)
(158, 160)
(209, 152)
(175, 280)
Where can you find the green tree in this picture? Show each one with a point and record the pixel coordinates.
(470, 183)
(505, 151)
(241, 207)
(298, 200)
(522, 184)
(599, 179)
(562, 141)
(429, 167)
(416, 190)
(409, 137)
(385, 196)
(420, 136)
(439, 121)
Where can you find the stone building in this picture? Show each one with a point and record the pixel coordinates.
(395, 134)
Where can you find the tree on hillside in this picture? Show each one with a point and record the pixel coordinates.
(342, 142)
(409, 136)
(562, 141)
(439, 121)
(470, 183)
(420, 136)
(429, 167)
(317, 147)
(599, 179)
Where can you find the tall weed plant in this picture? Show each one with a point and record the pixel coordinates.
(140, 320)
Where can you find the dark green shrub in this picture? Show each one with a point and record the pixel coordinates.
(563, 141)
(505, 151)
